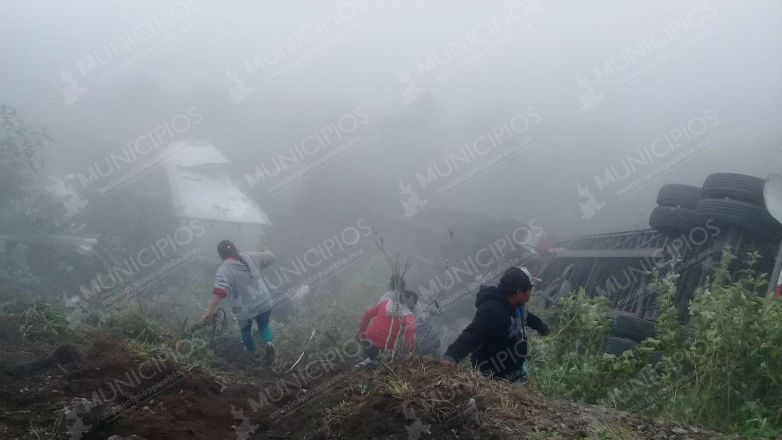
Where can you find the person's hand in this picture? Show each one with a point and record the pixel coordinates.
(544, 331)
(206, 316)
(358, 336)
(264, 248)
(447, 363)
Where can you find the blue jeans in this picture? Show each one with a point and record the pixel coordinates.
(522, 374)
(263, 330)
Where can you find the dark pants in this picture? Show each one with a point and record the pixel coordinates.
(371, 350)
(263, 329)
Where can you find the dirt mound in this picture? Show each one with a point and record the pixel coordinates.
(418, 399)
(101, 388)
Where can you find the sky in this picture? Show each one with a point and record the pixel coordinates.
(570, 113)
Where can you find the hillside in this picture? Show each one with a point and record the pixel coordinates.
(100, 386)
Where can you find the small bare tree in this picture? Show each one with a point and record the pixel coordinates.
(398, 272)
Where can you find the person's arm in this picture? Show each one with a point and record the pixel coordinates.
(536, 323)
(262, 259)
(431, 308)
(486, 324)
(219, 291)
(368, 315)
(216, 298)
(409, 324)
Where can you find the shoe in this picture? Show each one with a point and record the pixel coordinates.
(363, 363)
(271, 354)
(368, 363)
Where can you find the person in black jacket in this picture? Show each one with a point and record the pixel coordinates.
(496, 337)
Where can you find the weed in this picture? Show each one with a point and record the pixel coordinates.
(613, 432)
(135, 325)
(44, 322)
(724, 377)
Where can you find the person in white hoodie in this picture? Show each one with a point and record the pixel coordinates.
(239, 278)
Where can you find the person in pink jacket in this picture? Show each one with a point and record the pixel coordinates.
(382, 323)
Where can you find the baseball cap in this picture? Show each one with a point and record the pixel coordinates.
(517, 277)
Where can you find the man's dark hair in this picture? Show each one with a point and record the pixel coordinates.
(396, 282)
(411, 293)
(515, 278)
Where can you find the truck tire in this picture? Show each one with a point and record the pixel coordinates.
(676, 195)
(617, 346)
(671, 220)
(734, 187)
(742, 215)
(632, 328)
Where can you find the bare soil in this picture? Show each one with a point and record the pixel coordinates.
(87, 390)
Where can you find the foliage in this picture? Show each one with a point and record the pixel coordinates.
(19, 153)
(736, 351)
(581, 325)
(725, 376)
(135, 325)
(667, 328)
(558, 361)
(571, 363)
(25, 206)
(43, 322)
(613, 432)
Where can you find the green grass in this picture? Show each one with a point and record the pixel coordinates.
(44, 322)
(136, 326)
(613, 432)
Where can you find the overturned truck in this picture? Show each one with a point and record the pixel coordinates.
(689, 229)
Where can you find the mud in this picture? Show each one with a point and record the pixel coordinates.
(98, 388)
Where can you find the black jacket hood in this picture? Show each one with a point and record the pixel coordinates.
(496, 336)
(491, 293)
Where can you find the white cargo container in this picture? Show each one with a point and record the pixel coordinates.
(201, 189)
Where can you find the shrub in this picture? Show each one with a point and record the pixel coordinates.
(135, 325)
(736, 351)
(725, 376)
(44, 322)
(566, 364)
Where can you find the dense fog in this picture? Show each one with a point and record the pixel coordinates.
(591, 87)
(380, 219)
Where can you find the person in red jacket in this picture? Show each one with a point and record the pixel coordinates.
(383, 322)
